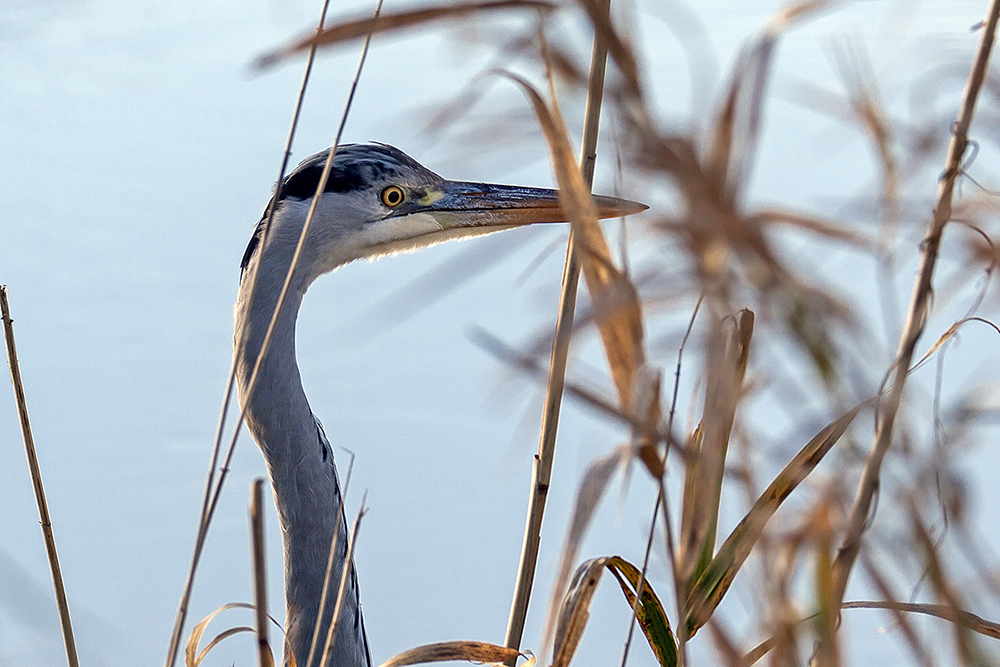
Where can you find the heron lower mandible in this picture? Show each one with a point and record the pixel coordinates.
(377, 200)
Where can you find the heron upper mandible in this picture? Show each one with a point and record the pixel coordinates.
(377, 200)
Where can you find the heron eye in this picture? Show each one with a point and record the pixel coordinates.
(392, 196)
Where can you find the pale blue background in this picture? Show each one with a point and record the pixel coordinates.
(136, 152)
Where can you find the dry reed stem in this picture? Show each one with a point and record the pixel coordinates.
(558, 358)
(917, 315)
(264, 656)
(348, 570)
(36, 483)
(209, 511)
(331, 557)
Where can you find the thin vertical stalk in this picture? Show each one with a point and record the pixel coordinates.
(919, 310)
(36, 483)
(338, 607)
(264, 656)
(542, 469)
(212, 495)
(207, 505)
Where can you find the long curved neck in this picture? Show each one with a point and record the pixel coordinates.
(301, 467)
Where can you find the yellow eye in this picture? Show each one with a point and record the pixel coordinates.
(392, 196)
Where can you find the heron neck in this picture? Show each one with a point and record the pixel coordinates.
(301, 468)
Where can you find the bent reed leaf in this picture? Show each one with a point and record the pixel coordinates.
(480, 652)
(192, 657)
(650, 614)
(575, 610)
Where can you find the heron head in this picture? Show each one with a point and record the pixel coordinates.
(378, 200)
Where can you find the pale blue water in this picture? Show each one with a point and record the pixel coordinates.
(136, 152)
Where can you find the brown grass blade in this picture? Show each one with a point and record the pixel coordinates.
(216, 640)
(359, 28)
(479, 652)
(966, 619)
(718, 576)
(575, 610)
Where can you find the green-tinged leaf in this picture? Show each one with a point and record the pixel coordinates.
(652, 619)
(480, 652)
(715, 581)
(726, 364)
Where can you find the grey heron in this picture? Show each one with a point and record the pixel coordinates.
(377, 201)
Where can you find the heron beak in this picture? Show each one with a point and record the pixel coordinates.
(457, 204)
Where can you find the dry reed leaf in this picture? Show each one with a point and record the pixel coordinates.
(950, 333)
(218, 639)
(813, 224)
(591, 490)
(821, 533)
(575, 610)
(618, 48)
(718, 576)
(650, 614)
(726, 362)
(734, 137)
(966, 619)
(480, 652)
(192, 658)
(360, 28)
(645, 442)
(616, 302)
(759, 651)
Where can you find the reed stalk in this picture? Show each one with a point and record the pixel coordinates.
(542, 468)
(36, 483)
